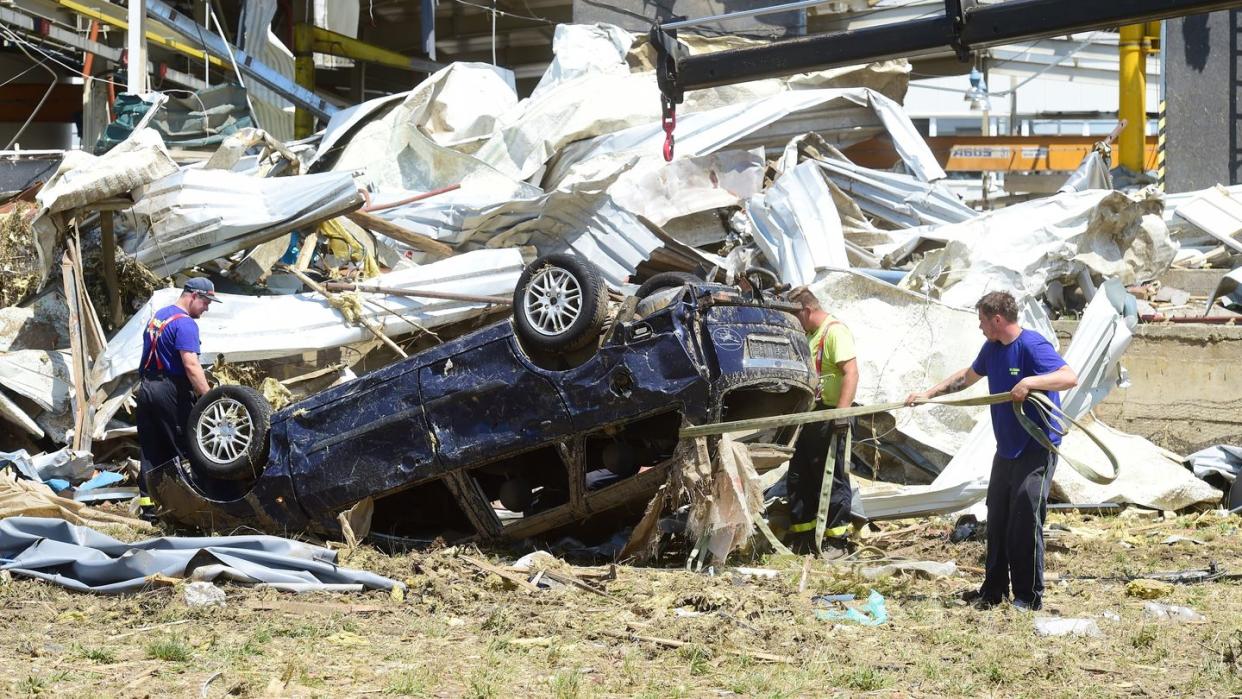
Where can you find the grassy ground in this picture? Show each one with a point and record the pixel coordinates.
(460, 632)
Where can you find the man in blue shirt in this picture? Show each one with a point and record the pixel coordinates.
(171, 378)
(1016, 361)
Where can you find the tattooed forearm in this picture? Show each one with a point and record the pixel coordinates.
(953, 386)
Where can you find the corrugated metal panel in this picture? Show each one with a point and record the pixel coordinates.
(796, 225)
(898, 199)
(772, 120)
(198, 215)
(273, 112)
(245, 328)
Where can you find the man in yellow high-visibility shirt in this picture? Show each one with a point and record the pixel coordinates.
(823, 446)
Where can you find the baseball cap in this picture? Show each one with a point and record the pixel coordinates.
(202, 286)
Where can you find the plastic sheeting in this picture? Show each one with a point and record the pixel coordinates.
(198, 215)
(401, 150)
(579, 50)
(1150, 476)
(82, 559)
(1023, 247)
(244, 328)
(65, 463)
(1221, 461)
(905, 342)
(1092, 173)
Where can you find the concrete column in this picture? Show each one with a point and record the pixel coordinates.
(136, 47)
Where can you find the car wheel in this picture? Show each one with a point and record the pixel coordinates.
(665, 280)
(228, 433)
(560, 304)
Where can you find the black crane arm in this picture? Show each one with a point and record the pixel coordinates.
(964, 28)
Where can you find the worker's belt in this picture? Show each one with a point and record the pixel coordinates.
(1056, 419)
(158, 376)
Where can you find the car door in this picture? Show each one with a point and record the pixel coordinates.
(367, 437)
(484, 403)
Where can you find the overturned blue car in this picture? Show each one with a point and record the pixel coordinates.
(563, 417)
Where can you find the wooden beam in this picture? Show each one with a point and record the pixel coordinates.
(78, 366)
(108, 244)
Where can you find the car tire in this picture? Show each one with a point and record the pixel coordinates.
(227, 433)
(560, 304)
(665, 280)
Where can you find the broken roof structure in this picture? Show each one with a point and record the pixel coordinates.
(409, 218)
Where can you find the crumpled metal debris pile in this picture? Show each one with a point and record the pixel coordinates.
(435, 197)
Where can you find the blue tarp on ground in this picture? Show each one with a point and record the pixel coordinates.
(82, 559)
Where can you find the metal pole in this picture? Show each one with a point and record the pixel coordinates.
(136, 48)
(304, 75)
(759, 11)
(1132, 96)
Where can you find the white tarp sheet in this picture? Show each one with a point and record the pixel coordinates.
(244, 328)
(582, 49)
(660, 191)
(401, 152)
(1021, 248)
(1221, 461)
(1150, 476)
(197, 215)
(906, 342)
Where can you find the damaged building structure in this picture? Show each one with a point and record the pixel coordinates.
(374, 188)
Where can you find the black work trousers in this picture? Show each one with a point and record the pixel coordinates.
(805, 479)
(1017, 505)
(164, 404)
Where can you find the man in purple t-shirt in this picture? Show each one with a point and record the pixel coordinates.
(171, 378)
(1016, 361)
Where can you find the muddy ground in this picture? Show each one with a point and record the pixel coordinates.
(657, 632)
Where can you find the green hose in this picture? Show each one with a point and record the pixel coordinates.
(1053, 415)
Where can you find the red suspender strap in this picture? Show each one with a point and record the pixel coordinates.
(155, 329)
(819, 351)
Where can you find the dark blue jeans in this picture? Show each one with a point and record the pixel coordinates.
(1017, 505)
